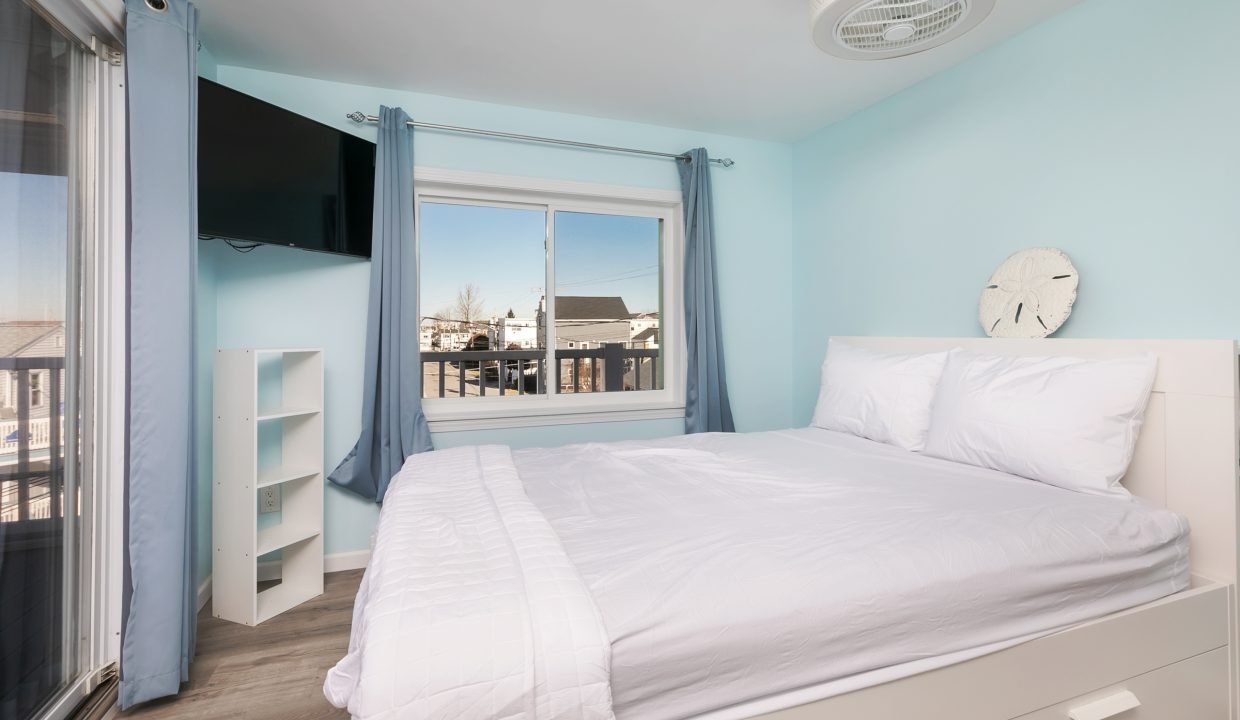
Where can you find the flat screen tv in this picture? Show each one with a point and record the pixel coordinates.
(266, 175)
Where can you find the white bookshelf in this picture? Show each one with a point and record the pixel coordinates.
(268, 407)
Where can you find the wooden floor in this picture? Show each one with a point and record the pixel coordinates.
(274, 670)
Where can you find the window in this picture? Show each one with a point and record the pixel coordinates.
(533, 295)
(61, 364)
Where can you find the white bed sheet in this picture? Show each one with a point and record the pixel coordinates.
(741, 574)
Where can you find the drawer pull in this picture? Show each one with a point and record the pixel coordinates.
(1107, 707)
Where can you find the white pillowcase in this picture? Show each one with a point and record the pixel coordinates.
(880, 396)
(1064, 421)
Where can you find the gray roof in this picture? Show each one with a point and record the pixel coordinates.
(17, 334)
(647, 334)
(588, 307)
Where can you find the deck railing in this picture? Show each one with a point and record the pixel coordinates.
(31, 449)
(521, 372)
(38, 435)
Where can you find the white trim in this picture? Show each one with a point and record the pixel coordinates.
(112, 353)
(67, 702)
(485, 413)
(462, 181)
(339, 562)
(88, 20)
(204, 593)
(500, 422)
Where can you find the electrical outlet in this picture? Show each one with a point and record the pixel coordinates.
(269, 500)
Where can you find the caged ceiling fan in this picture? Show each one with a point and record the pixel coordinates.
(881, 29)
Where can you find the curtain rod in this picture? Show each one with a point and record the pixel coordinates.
(359, 117)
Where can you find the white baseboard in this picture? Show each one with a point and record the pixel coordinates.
(204, 593)
(340, 562)
(337, 562)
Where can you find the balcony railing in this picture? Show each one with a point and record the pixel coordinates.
(38, 435)
(610, 368)
(32, 448)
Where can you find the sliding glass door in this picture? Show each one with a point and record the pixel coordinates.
(44, 106)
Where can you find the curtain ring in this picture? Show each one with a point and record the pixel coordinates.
(157, 5)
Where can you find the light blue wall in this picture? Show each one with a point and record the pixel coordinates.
(1091, 132)
(277, 296)
(207, 66)
(1110, 131)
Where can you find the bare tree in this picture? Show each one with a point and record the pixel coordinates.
(469, 305)
(443, 320)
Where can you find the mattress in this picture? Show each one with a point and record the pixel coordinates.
(741, 574)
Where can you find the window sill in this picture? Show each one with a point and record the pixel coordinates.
(441, 420)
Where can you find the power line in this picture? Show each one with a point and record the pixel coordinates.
(629, 274)
(605, 282)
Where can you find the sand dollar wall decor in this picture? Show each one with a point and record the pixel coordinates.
(1030, 295)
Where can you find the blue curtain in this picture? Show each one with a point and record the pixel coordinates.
(706, 393)
(159, 597)
(393, 426)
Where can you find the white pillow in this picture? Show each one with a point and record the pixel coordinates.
(1064, 421)
(880, 396)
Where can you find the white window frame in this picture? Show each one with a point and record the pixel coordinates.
(99, 575)
(552, 408)
(36, 388)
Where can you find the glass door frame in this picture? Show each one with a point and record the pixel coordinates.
(95, 376)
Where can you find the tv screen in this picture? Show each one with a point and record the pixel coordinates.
(267, 175)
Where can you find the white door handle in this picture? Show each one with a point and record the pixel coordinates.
(1107, 707)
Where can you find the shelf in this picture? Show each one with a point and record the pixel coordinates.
(281, 413)
(278, 537)
(275, 600)
(267, 408)
(277, 475)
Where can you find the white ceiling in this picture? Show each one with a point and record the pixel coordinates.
(739, 67)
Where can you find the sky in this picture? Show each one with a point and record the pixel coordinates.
(33, 228)
(500, 250)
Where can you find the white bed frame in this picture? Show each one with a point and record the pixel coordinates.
(1174, 659)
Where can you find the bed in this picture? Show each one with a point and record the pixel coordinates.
(810, 574)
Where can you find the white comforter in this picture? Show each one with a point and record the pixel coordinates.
(741, 574)
(720, 575)
(469, 607)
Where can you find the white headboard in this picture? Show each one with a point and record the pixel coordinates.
(1186, 458)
